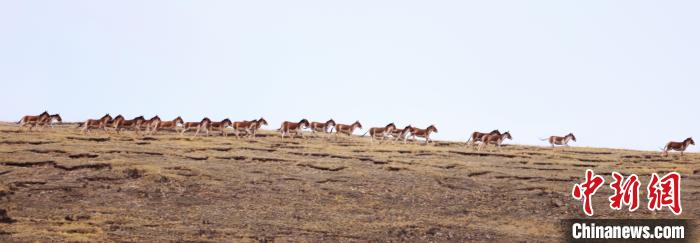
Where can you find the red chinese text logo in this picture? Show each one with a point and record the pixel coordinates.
(625, 193)
(586, 190)
(661, 191)
(665, 192)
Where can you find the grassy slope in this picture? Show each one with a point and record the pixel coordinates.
(57, 184)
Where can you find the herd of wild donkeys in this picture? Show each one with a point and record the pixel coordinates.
(249, 129)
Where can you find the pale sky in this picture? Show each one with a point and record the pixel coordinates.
(620, 74)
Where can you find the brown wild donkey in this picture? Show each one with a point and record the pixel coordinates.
(380, 132)
(191, 125)
(347, 129)
(214, 126)
(678, 146)
(288, 127)
(557, 140)
(168, 124)
(204, 124)
(495, 139)
(151, 123)
(249, 127)
(322, 127)
(119, 123)
(96, 123)
(52, 119)
(423, 133)
(32, 121)
(401, 133)
(478, 136)
(256, 125)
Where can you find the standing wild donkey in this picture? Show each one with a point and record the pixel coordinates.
(678, 146)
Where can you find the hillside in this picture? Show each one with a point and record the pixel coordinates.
(59, 185)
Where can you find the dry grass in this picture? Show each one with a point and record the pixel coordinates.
(59, 185)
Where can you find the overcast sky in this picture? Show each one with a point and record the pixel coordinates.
(621, 74)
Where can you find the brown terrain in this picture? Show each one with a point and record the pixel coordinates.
(59, 185)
